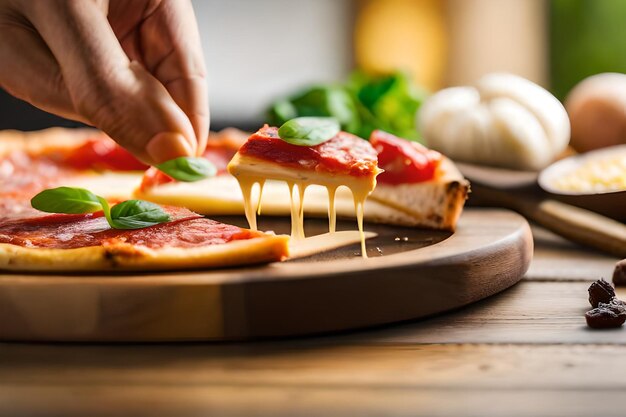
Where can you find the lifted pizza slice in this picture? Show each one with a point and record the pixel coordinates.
(343, 160)
(418, 188)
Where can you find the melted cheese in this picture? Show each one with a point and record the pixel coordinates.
(332, 211)
(250, 171)
(325, 242)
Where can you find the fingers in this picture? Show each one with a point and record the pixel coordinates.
(30, 72)
(115, 95)
(171, 50)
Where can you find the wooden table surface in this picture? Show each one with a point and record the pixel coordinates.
(524, 352)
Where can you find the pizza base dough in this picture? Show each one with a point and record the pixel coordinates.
(126, 257)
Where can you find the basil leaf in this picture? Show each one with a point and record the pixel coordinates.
(136, 214)
(309, 131)
(188, 169)
(67, 200)
(131, 214)
(106, 210)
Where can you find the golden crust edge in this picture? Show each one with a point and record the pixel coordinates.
(125, 257)
(40, 141)
(456, 189)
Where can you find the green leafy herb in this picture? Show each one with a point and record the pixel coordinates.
(188, 169)
(66, 200)
(131, 214)
(136, 214)
(309, 131)
(389, 102)
(361, 105)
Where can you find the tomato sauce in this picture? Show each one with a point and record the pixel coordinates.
(403, 161)
(102, 153)
(69, 231)
(343, 154)
(23, 175)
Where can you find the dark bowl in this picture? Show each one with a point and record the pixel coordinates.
(611, 203)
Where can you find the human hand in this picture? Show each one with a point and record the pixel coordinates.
(133, 69)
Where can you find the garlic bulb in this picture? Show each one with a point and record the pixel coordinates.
(504, 120)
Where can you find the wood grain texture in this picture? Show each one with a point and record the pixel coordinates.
(505, 369)
(490, 252)
(328, 379)
(530, 312)
(557, 259)
(289, 401)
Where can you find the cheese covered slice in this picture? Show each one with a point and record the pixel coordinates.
(344, 160)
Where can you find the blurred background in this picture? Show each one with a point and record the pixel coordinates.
(259, 51)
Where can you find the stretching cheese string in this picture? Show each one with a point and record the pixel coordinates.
(251, 210)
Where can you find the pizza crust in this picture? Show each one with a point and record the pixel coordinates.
(42, 141)
(435, 204)
(126, 257)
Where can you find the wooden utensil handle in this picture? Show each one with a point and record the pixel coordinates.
(578, 225)
(573, 223)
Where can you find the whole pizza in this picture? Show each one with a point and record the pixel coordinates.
(72, 199)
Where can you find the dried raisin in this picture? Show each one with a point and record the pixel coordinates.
(600, 292)
(607, 315)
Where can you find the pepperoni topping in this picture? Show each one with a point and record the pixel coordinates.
(219, 155)
(153, 177)
(68, 231)
(343, 154)
(403, 161)
(24, 175)
(102, 153)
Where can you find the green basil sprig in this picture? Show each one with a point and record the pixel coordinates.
(309, 131)
(66, 200)
(134, 214)
(130, 214)
(188, 169)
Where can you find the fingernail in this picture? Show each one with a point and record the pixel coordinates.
(165, 146)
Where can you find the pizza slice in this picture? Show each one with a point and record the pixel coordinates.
(418, 188)
(343, 160)
(424, 188)
(31, 240)
(62, 242)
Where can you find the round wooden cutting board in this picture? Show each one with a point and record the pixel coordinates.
(410, 274)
